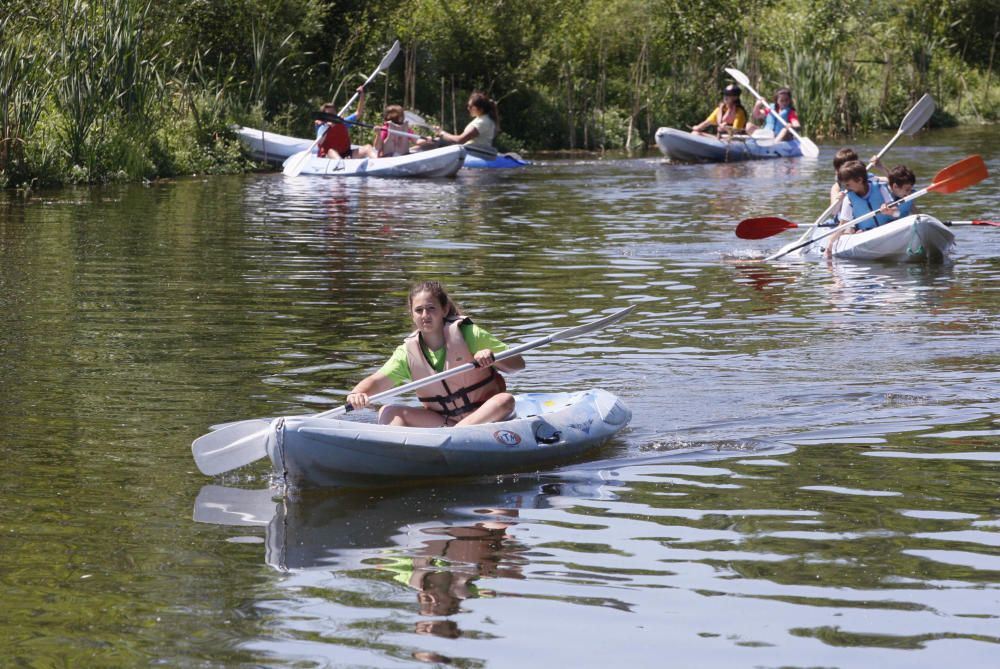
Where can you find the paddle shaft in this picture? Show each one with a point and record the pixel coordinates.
(995, 224)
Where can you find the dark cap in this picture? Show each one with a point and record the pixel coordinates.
(732, 89)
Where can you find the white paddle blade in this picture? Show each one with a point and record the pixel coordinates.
(809, 148)
(230, 447)
(388, 59)
(413, 118)
(296, 163)
(918, 116)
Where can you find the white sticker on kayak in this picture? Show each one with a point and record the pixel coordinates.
(507, 438)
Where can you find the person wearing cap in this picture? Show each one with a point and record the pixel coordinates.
(728, 118)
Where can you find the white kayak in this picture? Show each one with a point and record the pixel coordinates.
(917, 238)
(547, 428)
(688, 147)
(270, 147)
(443, 162)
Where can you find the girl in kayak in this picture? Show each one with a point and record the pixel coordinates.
(480, 132)
(443, 339)
(728, 118)
(391, 144)
(783, 107)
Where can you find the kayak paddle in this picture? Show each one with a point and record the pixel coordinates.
(809, 149)
(976, 222)
(914, 120)
(334, 118)
(762, 227)
(957, 176)
(293, 168)
(236, 444)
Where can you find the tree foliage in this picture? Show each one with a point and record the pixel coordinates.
(150, 88)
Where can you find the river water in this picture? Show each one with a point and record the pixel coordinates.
(810, 477)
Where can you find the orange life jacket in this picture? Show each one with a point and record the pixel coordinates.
(458, 395)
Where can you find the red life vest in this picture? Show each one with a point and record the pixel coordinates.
(461, 394)
(337, 138)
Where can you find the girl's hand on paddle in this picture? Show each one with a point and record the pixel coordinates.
(484, 358)
(357, 400)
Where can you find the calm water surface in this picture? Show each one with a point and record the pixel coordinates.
(810, 477)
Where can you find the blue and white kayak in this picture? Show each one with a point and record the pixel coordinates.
(275, 149)
(688, 147)
(547, 428)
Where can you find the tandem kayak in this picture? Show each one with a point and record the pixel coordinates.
(443, 162)
(687, 147)
(270, 147)
(917, 238)
(546, 428)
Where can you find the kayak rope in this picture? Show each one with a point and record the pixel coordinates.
(279, 444)
(915, 235)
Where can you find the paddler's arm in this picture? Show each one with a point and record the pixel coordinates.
(485, 358)
(372, 385)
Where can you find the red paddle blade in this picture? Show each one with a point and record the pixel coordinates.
(994, 223)
(966, 172)
(765, 226)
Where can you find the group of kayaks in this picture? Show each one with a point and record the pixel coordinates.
(445, 161)
(546, 428)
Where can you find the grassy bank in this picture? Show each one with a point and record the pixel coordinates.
(131, 90)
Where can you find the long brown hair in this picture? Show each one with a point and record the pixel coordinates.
(483, 103)
(439, 294)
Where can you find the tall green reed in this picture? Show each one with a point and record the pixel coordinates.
(108, 81)
(24, 87)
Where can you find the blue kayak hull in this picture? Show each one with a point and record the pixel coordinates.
(502, 161)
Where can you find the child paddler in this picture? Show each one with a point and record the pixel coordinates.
(443, 339)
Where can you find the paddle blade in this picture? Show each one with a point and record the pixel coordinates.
(740, 78)
(388, 59)
(966, 172)
(765, 226)
(918, 115)
(296, 163)
(415, 119)
(809, 148)
(230, 447)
